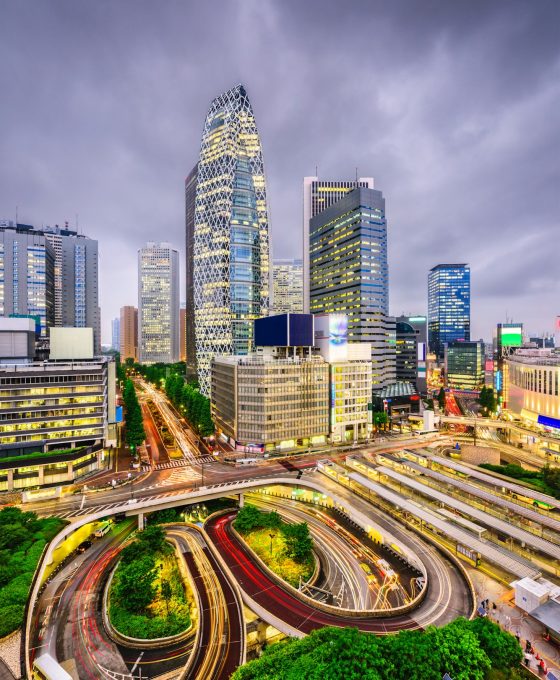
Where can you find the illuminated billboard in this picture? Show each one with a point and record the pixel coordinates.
(331, 336)
(511, 336)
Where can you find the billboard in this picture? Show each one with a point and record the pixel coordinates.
(511, 336)
(331, 336)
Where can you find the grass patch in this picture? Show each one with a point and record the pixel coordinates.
(22, 539)
(277, 560)
(546, 480)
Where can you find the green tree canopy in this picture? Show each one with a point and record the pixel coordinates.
(464, 649)
(135, 586)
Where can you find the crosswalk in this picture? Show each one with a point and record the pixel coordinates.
(183, 462)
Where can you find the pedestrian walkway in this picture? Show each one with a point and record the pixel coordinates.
(516, 621)
(183, 462)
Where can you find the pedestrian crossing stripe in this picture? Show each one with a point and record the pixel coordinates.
(183, 462)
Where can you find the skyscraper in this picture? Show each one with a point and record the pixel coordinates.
(158, 303)
(449, 305)
(129, 333)
(287, 286)
(190, 204)
(76, 287)
(182, 333)
(63, 292)
(230, 253)
(349, 274)
(116, 334)
(26, 274)
(318, 195)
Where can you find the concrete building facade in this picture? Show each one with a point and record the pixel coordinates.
(158, 303)
(287, 287)
(271, 400)
(129, 333)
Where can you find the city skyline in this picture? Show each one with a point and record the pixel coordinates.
(454, 168)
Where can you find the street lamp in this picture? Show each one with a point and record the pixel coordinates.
(272, 537)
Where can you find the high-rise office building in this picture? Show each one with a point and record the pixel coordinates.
(318, 195)
(190, 204)
(287, 286)
(76, 287)
(158, 303)
(411, 341)
(449, 305)
(464, 365)
(230, 253)
(64, 290)
(350, 274)
(26, 274)
(129, 333)
(182, 333)
(116, 334)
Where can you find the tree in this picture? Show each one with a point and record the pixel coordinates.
(166, 593)
(134, 588)
(248, 518)
(501, 648)
(153, 538)
(487, 400)
(299, 544)
(379, 418)
(441, 398)
(135, 433)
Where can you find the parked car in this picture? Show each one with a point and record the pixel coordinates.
(84, 545)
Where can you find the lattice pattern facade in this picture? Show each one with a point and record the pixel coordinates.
(231, 243)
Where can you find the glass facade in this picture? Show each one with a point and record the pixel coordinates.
(449, 305)
(230, 248)
(80, 286)
(464, 365)
(350, 274)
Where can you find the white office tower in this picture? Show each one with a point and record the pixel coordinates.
(158, 303)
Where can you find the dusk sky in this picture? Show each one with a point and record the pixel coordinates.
(452, 106)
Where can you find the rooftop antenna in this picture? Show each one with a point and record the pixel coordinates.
(356, 175)
(77, 223)
(316, 171)
(16, 214)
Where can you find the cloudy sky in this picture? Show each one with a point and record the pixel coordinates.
(453, 107)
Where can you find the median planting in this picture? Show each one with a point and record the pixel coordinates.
(286, 549)
(147, 597)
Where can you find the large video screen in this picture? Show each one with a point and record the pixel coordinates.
(511, 336)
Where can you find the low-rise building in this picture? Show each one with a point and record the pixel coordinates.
(533, 385)
(274, 399)
(305, 385)
(56, 417)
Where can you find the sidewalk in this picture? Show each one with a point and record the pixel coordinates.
(515, 620)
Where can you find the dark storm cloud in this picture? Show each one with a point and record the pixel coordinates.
(451, 106)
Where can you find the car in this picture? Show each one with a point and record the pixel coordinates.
(84, 545)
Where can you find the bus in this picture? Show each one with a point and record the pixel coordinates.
(103, 529)
(45, 667)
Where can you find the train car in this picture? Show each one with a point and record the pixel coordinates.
(45, 667)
